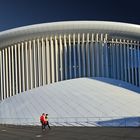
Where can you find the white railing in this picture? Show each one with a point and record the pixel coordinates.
(77, 121)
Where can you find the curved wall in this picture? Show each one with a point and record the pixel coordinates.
(52, 57)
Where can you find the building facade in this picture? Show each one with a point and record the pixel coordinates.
(37, 55)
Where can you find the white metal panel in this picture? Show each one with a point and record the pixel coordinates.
(9, 71)
(56, 59)
(102, 56)
(74, 67)
(61, 58)
(26, 66)
(83, 56)
(87, 55)
(117, 59)
(79, 55)
(15, 70)
(48, 61)
(128, 61)
(52, 60)
(106, 56)
(113, 59)
(38, 62)
(121, 58)
(1, 79)
(132, 63)
(34, 63)
(31, 64)
(125, 60)
(13, 73)
(138, 47)
(23, 65)
(97, 55)
(70, 65)
(92, 55)
(135, 65)
(19, 67)
(6, 74)
(65, 57)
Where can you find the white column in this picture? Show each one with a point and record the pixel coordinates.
(30, 65)
(13, 71)
(52, 61)
(23, 66)
(1, 79)
(117, 58)
(87, 56)
(38, 60)
(65, 56)
(43, 62)
(83, 55)
(56, 60)
(74, 56)
(3, 66)
(136, 64)
(106, 56)
(16, 72)
(132, 63)
(9, 71)
(79, 55)
(111, 59)
(128, 61)
(19, 68)
(6, 73)
(70, 67)
(102, 56)
(121, 60)
(26, 66)
(48, 61)
(125, 64)
(61, 58)
(34, 63)
(138, 49)
(92, 54)
(114, 59)
(97, 55)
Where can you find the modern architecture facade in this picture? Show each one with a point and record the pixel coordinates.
(37, 55)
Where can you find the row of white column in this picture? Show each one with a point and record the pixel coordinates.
(30, 64)
(125, 61)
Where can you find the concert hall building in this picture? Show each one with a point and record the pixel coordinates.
(41, 54)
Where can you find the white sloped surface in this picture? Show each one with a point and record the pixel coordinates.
(79, 102)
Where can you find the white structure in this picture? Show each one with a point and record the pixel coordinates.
(37, 55)
(76, 102)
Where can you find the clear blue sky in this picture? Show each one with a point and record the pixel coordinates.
(16, 13)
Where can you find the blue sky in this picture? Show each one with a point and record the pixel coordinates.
(16, 13)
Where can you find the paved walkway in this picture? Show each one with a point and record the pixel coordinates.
(68, 133)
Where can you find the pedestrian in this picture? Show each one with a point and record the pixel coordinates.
(47, 121)
(43, 121)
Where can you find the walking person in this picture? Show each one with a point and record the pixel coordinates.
(43, 121)
(47, 121)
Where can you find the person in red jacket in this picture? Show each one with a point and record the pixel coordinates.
(43, 121)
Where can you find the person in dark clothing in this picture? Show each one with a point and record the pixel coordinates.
(47, 121)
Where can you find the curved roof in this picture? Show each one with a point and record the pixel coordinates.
(32, 31)
(73, 101)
